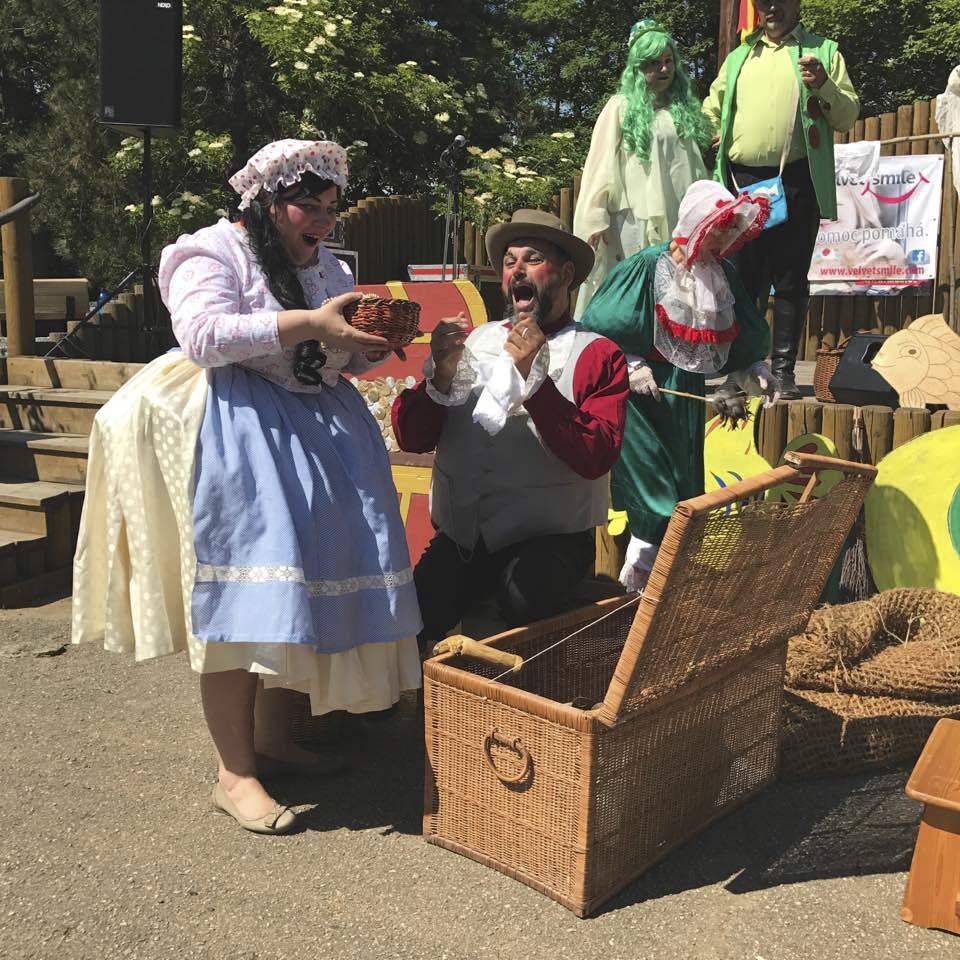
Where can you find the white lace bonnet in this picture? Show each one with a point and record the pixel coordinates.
(285, 162)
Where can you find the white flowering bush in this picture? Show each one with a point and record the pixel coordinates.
(349, 64)
(502, 179)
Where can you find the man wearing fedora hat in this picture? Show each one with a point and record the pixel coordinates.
(526, 417)
(776, 102)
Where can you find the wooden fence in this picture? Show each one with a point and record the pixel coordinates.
(118, 332)
(884, 429)
(388, 233)
(830, 318)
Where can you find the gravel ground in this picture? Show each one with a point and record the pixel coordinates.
(110, 849)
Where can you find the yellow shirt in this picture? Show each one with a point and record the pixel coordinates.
(765, 90)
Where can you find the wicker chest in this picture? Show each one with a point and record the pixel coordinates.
(636, 722)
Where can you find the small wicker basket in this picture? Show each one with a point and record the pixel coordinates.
(397, 321)
(828, 359)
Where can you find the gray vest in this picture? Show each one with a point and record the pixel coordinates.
(510, 487)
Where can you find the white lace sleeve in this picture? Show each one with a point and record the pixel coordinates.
(463, 382)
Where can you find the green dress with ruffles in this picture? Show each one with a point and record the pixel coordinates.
(661, 460)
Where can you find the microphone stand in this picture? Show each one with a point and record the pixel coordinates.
(452, 162)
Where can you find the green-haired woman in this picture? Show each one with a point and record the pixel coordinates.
(644, 153)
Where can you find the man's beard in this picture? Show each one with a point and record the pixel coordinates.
(539, 311)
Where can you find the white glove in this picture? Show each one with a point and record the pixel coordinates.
(758, 381)
(637, 564)
(641, 378)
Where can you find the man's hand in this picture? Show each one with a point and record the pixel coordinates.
(811, 72)
(523, 343)
(446, 347)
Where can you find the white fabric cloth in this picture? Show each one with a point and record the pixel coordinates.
(222, 310)
(695, 317)
(948, 120)
(284, 162)
(638, 563)
(635, 203)
(490, 372)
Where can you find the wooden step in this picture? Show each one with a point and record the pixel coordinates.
(47, 586)
(51, 510)
(59, 458)
(70, 374)
(50, 409)
(21, 556)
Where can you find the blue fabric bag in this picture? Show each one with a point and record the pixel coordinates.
(772, 187)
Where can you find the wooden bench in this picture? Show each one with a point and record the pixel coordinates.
(932, 896)
(55, 299)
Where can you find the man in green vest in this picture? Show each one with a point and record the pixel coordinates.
(776, 102)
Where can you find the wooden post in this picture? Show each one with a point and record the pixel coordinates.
(18, 272)
(773, 432)
(878, 428)
(921, 125)
(727, 39)
(838, 427)
(803, 416)
(124, 318)
(566, 207)
(944, 418)
(909, 422)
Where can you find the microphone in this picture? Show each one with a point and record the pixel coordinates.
(455, 151)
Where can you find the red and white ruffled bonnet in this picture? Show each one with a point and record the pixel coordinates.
(695, 320)
(284, 162)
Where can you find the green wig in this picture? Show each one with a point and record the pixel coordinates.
(648, 40)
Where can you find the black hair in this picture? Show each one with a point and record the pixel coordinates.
(267, 244)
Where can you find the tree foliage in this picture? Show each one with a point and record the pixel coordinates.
(394, 80)
(896, 52)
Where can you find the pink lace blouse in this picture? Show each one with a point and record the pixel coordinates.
(223, 312)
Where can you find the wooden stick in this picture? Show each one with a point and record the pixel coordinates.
(921, 136)
(692, 396)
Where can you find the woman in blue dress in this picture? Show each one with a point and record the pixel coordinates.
(240, 503)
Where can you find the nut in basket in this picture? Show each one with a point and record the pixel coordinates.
(397, 321)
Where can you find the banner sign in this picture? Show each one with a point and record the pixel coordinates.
(887, 227)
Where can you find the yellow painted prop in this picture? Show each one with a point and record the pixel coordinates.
(922, 363)
(913, 514)
(467, 647)
(791, 492)
(729, 451)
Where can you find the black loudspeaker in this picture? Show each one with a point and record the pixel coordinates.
(141, 59)
(855, 381)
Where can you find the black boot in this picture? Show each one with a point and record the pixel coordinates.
(788, 319)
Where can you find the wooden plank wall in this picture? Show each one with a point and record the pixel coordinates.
(389, 233)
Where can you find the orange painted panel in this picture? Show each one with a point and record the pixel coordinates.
(437, 300)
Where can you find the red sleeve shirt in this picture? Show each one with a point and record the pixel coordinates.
(584, 433)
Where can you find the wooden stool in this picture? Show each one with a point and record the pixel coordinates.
(932, 897)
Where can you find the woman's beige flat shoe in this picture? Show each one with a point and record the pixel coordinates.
(278, 820)
(323, 766)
